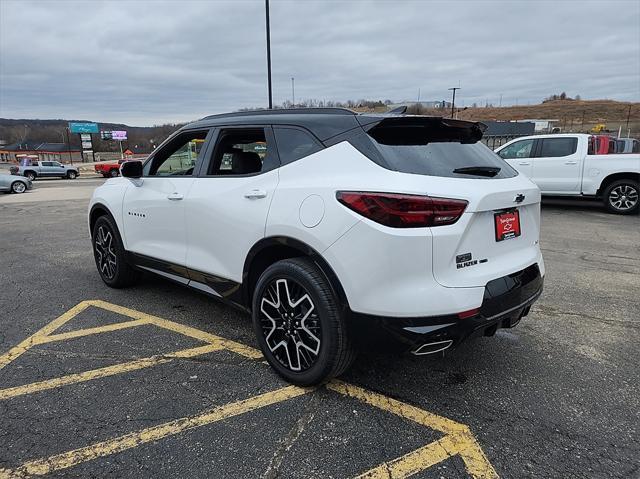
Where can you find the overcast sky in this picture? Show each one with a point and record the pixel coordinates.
(151, 62)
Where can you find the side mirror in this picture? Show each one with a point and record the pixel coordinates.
(131, 169)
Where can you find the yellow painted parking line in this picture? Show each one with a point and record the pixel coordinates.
(106, 371)
(459, 440)
(135, 439)
(234, 346)
(18, 350)
(90, 331)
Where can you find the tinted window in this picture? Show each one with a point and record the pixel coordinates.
(555, 147)
(242, 152)
(519, 149)
(294, 144)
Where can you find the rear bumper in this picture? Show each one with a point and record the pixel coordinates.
(506, 300)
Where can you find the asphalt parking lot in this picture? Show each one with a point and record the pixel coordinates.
(158, 381)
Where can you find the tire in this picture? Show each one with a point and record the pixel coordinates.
(72, 175)
(109, 254)
(304, 338)
(622, 197)
(18, 187)
(113, 173)
(30, 175)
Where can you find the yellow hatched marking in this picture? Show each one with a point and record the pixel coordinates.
(18, 350)
(106, 371)
(135, 439)
(89, 331)
(459, 439)
(233, 346)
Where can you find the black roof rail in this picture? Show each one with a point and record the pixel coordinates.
(284, 111)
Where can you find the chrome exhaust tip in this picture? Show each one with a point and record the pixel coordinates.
(431, 348)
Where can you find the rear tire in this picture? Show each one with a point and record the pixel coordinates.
(110, 255)
(622, 197)
(299, 324)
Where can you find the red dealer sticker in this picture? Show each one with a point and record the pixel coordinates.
(507, 225)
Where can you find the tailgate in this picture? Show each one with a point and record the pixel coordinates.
(468, 254)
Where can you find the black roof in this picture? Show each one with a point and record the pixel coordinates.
(324, 123)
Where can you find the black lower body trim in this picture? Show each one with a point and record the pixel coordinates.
(506, 301)
(225, 289)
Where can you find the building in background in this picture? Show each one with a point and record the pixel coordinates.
(38, 151)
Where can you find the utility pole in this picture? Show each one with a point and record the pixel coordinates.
(293, 92)
(266, 5)
(453, 101)
(500, 100)
(69, 145)
(628, 115)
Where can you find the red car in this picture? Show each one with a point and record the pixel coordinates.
(602, 145)
(109, 168)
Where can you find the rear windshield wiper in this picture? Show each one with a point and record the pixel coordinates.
(489, 171)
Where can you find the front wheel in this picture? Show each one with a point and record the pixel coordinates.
(299, 325)
(622, 197)
(109, 254)
(113, 173)
(72, 175)
(30, 175)
(18, 187)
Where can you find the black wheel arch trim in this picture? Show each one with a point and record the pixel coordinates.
(93, 216)
(305, 250)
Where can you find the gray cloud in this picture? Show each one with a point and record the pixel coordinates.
(146, 62)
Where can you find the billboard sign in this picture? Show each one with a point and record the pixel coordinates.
(106, 135)
(119, 135)
(83, 127)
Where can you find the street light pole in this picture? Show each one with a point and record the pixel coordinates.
(293, 92)
(453, 101)
(69, 145)
(266, 6)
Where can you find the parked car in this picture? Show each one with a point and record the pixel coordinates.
(45, 169)
(602, 145)
(627, 145)
(327, 225)
(109, 168)
(562, 165)
(14, 184)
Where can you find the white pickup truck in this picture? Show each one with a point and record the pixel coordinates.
(561, 165)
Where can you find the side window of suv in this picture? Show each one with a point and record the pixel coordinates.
(294, 144)
(241, 151)
(519, 149)
(180, 156)
(557, 147)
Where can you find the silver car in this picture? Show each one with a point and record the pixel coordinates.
(14, 183)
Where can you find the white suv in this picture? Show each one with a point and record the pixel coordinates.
(329, 227)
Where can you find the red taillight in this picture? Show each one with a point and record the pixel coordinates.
(468, 314)
(403, 211)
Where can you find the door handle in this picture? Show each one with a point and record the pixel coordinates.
(525, 163)
(175, 196)
(570, 162)
(255, 194)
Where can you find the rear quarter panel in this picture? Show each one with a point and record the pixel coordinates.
(598, 167)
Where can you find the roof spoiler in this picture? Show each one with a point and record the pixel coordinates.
(445, 129)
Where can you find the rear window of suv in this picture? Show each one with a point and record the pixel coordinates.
(437, 150)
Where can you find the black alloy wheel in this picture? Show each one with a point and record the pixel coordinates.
(299, 323)
(109, 254)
